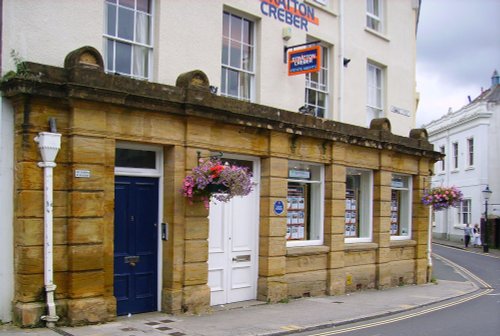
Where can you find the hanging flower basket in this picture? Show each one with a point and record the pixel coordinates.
(211, 178)
(441, 198)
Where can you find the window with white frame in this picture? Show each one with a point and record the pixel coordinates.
(443, 151)
(455, 155)
(358, 207)
(238, 63)
(305, 204)
(374, 15)
(128, 37)
(464, 212)
(322, 2)
(401, 196)
(316, 95)
(374, 92)
(470, 152)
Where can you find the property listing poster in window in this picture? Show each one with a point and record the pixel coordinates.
(351, 214)
(296, 215)
(394, 212)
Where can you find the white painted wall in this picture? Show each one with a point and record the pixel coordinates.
(187, 36)
(6, 209)
(480, 121)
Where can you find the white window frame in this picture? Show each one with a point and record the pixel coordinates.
(321, 86)
(374, 91)
(374, 20)
(365, 208)
(470, 152)
(156, 172)
(465, 208)
(454, 155)
(317, 181)
(225, 68)
(405, 218)
(322, 2)
(134, 43)
(442, 149)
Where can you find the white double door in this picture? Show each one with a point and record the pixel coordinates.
(233, 238)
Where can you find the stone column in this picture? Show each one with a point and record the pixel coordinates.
(335, 176)
(420, 228)
(88, 202)
(196, 293)
(382, 221)
(272, 241)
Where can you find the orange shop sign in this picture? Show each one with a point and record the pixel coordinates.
(303, 61)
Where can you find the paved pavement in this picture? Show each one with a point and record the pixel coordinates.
(258, 318)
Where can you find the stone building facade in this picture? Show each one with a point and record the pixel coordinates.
(336, 164)
(97, 114)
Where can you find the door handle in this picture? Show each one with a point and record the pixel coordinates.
(131, 260)
(242, 258)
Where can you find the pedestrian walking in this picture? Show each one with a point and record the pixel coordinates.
(476, 235)
(467, 234)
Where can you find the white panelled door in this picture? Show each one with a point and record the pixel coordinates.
(233, 237)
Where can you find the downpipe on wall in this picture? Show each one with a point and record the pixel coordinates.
(49, 144)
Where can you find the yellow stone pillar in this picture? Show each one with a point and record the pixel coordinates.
(335, 176)
(381, 226)
(272, 241)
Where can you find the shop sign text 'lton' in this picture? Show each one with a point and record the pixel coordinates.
(296, 14)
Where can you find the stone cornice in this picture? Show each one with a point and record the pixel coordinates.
(196, 100)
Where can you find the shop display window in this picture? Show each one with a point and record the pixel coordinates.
(401, 186)
(358, 205)
(304, 204)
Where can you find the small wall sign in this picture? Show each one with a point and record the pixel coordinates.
(82, 173)
(303, 61)
(279, 207)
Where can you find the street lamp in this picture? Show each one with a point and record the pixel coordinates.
(486, 194)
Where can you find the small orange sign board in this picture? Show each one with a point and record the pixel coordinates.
(303, 61)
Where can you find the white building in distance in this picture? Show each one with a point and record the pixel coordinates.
(470, 139)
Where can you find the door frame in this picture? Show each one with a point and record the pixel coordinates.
(256, 179)
(155, 173)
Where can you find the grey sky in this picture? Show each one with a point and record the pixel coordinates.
(458, 48)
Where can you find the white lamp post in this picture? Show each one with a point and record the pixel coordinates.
(49, 145)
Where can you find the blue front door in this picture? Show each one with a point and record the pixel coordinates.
(136, 241)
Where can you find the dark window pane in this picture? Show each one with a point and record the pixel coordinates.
(225, 51)
(247, 58)
(110, 52)
(225, 25)
(223, 81)
(236, 28)
(123, 57)
(144, 5)
(133, 158)
(127, 3)
(111, 26)
(126, 23)
(247, 32)
(235, 55)
(232, 84)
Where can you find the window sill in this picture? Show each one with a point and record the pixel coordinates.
(357, 240)
(306, 250)
(470, 168)
(361, 246)
(400, 238)
(377, 34)
(454, 171)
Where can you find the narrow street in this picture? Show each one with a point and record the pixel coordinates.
(475, 314)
